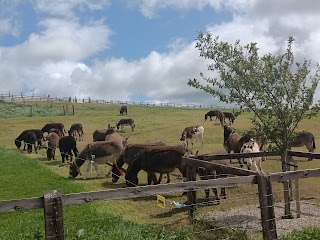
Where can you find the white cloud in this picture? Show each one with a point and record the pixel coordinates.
(149, 8)
(61, 40)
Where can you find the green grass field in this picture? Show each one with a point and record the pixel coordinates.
(28, 175)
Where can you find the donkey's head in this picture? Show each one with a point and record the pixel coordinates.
(227, 130)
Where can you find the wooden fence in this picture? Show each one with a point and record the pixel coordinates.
(20, 98)
(53, 201)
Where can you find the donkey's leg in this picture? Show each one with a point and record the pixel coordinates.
(35, 147)
(152, 178)
(96, 166)
(310, 149)
(168, 177)
(223, 193)
(89, 167)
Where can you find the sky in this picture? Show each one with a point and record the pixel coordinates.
(138, 50)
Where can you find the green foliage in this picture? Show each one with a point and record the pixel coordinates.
(277, 89)
(309, 233)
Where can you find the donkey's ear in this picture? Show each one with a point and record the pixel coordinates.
(197, 153)
(109, 126)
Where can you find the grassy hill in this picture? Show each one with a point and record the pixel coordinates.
(28, 175)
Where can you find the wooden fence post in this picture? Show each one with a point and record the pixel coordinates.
(72, 109)
(192, 195)
(286, 187)
(297, 191)
(268, 221)
(64, 110)
(53, 215)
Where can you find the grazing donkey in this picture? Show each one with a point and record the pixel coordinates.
(21, 137)
(304, 139)
(213, 113)
(123, 110)
(230, 116)
(75, 129)
(104, 152)
(191, 132)
(46, 128)
(125, 122)
(29, 138)
(160, 159)
(53, 144)
(128, 155)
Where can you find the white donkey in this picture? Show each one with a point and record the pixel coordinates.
(251, 163)
(189, 133)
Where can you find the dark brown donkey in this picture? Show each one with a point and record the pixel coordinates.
(128, 155)
(160, 159)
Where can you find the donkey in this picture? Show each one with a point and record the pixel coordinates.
(191, 132)
(46, 128)
(55, 130)
(67, 145)
(160, 159)
(205, 174)
(213, 113)
(233, 142)
(126, 121)
(101, 152)
(230, 116)
(29, 138)
(221, 118)
(101, 134)
(304, 139)
(123, 110)
(251, 163)
(75, 129)
(21, 137)
(128, 155)
(53, 144)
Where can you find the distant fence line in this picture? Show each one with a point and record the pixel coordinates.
(8, 97)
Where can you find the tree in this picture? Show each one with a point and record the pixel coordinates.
(279, 91)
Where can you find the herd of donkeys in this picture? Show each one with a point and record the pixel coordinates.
(110, 147)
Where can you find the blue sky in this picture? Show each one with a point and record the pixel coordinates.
(132, 50)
